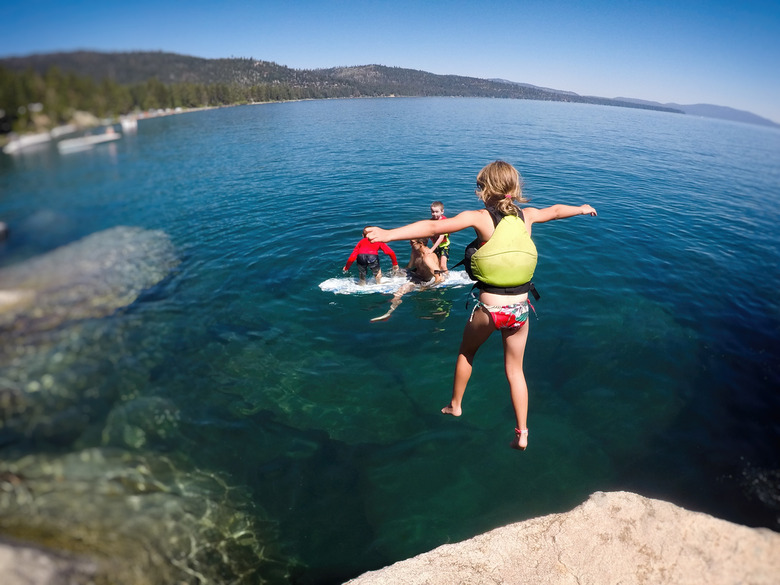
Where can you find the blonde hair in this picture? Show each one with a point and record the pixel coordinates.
(500, 186)
(438, 204)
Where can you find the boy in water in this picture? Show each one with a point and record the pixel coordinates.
(441, 245)
(366, 254)
(423, 265)
(423, 270)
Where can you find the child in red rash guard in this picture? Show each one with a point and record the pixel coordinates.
(366, 254)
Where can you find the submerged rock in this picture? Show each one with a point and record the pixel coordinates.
(92, 277)
(105, 515)
(144, 422)
(61, 365)
(54, 384)
(30, 565)
(137, 520)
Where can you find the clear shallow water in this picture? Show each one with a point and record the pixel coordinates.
(654, 365)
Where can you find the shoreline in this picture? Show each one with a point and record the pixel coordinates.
(83, 123)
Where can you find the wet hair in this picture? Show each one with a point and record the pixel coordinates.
(500, 186)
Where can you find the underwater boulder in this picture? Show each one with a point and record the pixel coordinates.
(142, 519)
(62, 365)
(144, 422)
(54, 385)
(90, 278)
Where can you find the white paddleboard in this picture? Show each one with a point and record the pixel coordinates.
(348, 285)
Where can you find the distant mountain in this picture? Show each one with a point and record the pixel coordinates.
(537, 87)
(383, 80)
(136, 67)
(704, 110)
(139, 66)
(710, 111)
(128, 68)
(358, 81)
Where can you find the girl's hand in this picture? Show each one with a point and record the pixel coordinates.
(587, 210)
(375, 234)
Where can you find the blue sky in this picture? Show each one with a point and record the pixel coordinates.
(724, 53)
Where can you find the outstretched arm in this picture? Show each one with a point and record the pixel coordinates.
(559, 211)
(412, 231)
(429, 228)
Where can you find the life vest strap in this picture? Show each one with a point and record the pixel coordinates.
(509, 290)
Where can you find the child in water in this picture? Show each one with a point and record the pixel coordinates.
(441, 245)
(423, 264)
(366, 254)
(503, 306)
(422, 270)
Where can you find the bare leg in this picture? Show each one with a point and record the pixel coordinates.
(514, 349)
(476, 332)
(378, 276)
(405, 288)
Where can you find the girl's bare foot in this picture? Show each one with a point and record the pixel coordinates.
(453, 410)
(520, 441)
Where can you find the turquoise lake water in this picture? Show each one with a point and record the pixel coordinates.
(653, 365)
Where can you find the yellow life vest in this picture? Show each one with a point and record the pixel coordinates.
(508, 258)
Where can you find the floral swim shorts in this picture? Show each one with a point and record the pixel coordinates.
(507, 316)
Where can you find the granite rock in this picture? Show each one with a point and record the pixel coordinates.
(612, 538)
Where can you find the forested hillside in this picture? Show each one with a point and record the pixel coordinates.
(39, 91)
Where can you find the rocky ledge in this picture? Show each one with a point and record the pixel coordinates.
(612, 538)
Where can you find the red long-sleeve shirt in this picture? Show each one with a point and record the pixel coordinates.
(366, 247)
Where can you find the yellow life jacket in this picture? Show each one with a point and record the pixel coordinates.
(505, 263)
(508, 258)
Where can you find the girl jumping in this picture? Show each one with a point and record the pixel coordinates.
(503, 265)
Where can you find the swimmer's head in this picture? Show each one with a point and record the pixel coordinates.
(499, 185)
